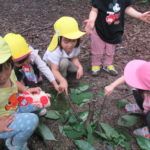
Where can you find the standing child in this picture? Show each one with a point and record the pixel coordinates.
(16, 123)
(137, 75)
(62, 53)
(106, 25)
(28, 63)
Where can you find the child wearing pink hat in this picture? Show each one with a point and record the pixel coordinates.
(136, 75)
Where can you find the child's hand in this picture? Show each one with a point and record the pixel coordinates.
(145, 17)
(5, 122)
(108, 90)
(79, 73)
(36, 90)
(89, 26)
(63, 87)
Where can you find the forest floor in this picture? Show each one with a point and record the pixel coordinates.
(34, 20)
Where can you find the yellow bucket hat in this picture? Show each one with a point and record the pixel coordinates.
(66, 27)
(18, 46)
(5, 52)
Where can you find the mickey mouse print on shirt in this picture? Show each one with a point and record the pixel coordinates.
(114, 13)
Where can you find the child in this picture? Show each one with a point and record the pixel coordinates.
(28, 63)
(137, 75)
(16, 125)
(62, 53)
(106, 25)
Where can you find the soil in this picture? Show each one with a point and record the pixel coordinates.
(34, 20)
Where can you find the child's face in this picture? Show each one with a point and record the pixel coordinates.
(68, 44)
(5, 74)
(27, 61)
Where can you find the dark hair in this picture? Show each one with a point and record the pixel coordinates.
(60, 39)
(6, 64)
(23, 60)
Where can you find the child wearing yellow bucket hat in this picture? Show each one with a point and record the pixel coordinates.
(28, 63)
(136, 75)
(17, 124)
(63, 50)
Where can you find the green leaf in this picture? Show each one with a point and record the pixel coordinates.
(73, 132)
(83, 87)
(52, 114)
(109, 131)
(81, 98)
(83, 115)
(121, 104)
(90, 137)
(84, 145)
(45, 132)
(128, 120)
(101, 93)
(144, 143)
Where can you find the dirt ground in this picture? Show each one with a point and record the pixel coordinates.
(34, 20)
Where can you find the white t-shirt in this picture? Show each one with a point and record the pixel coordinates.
(56, 55)
(41, 65)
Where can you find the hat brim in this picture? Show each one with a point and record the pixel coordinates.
(4, 58)
(21, 58)
(131, 76)
(75, 35)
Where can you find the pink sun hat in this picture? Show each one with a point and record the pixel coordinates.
(137, 74)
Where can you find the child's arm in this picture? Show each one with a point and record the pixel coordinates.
(63, 84)
(22, 88)
(46, 71)
(91, 21)
(138, 15)
(110, 88)
(77, 63)
(5, 122)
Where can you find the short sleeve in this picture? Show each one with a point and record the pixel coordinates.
(53, 57)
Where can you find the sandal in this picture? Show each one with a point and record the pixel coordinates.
(142, 132)
(133, 108)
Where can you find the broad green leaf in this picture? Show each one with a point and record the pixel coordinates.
(128, 120)
(83, 87)
(84, 145)
(109, 131)
(83, 115)
(81, 98)
(61, 130)
(72, 132)
(144, 143)
(64, 116)
(53, 114)
(45, 132)
(121, 104)
(72, 119)
(90, 137)
(101, 93)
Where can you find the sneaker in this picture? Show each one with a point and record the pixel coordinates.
(142, 132)
(43, 112)
(111, 70)
(95, 70)
(133, 108)
(9, 145)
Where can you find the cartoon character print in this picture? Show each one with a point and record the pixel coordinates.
(29, 73)
(113, 15)
(40, 100)
(12, 102)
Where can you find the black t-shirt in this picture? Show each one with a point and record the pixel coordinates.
(109, 23)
